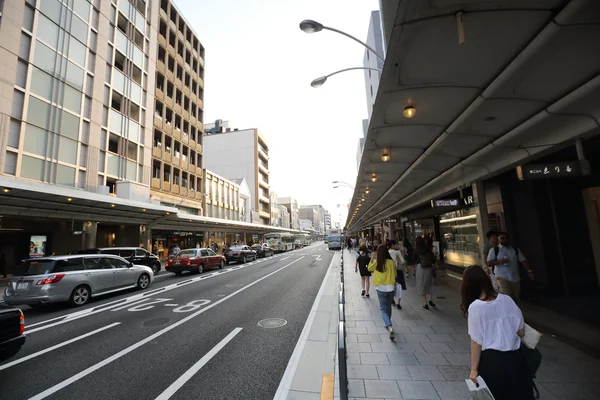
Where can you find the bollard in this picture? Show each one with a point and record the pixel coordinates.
(341, 312)
(342, 361)
(341, 298)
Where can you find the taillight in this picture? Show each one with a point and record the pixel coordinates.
(237, 254)
(189, 263)
(22, 326)
(51, 279)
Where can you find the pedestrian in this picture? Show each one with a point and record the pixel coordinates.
(384, 280)
(3, 265)
(363, 257)
(492, 241)
(400, 265)
(496, 326)
(426, 259)
(176, 250)
(505, 259)
(409, 256)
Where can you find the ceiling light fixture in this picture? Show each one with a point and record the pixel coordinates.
(367, 190)
(112, 205)
(409, 111)
(143, 209)
(69, 199)
(374, 178)
(6, 190)
(385, 157)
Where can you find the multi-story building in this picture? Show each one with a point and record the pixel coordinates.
(275, 211)
(178, 112)
(245, 199)
(327, 220)
(310, 214)
(242, 153)
(319, 221)
(222, 197)
(284, 217)
(293, 210)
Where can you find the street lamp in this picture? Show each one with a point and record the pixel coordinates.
(317, 83)
(340, 183)
(310, 26)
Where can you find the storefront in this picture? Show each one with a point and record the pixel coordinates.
(163, 242)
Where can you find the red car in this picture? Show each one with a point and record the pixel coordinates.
(194, 260)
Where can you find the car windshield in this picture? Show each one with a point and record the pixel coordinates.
(35, 267)
(334, 238)
(187, 253)
(236, 248)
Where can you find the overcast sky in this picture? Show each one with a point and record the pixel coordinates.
(259, 66)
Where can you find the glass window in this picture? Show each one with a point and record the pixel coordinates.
(138, 57)
(35, 140)
(77, 52)
(113, 162)
(141, 253)
(131, 171)
(14, 128)
(211, 253)
(70, 125)
(82, 8)
(24, 46)
(79, 30)
(119, 262)
(51, 8)
(75, 76)
(67, 150)
(28, 18)
(10, 163)
(72, 99)
(65, 175)
(121, 41)
(116, 121)
(97, 263)
(44, 57)
(47, 31)
(38, 112)
(83, 156)
(32, 168)
(21, 77)
(41, 83)
(68, 265)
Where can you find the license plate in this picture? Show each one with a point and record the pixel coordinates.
(176, 262)
(22, 285)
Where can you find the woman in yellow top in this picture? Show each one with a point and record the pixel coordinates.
(384, 281)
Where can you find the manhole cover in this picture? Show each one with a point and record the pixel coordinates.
(272, 323)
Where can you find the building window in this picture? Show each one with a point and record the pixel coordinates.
(32, 168)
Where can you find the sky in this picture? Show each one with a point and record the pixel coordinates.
(258, 69)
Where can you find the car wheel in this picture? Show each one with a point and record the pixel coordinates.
(80, 296)
(244, 260)
(178, 273)
(200, 269)
(143, 281)
(221, 264)
(156, 268)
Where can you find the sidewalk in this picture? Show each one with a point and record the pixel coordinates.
(430, 358)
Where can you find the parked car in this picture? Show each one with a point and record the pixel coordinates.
(240, 254)
(194, 260)
(262, 250)
(73, 278)
(135, 255)
(12, 326)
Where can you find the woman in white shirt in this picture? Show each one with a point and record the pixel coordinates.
(496, 326)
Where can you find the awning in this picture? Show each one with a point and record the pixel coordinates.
(525, 82)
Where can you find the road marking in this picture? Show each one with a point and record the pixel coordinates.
(39, 353)
(106, 361)
(327, 387)
(171, 305)
(290, 371)
(187, 375)
(318, 257)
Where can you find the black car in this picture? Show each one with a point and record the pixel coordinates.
(241, 254)
(262, 250)
(12, 326)
(135, 255)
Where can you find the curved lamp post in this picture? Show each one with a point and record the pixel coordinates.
(337, 184)
(310, 26)
(317, 83)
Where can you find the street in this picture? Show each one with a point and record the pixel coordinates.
(187, 337)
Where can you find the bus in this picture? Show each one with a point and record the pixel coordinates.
(334, 239)
(301, 240)
(280, 242)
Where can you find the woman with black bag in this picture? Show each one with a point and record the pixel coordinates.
(496, 326)
(425, 262)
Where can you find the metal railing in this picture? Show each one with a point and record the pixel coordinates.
(342, 354)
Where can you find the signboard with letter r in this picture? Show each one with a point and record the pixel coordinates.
(549, 170)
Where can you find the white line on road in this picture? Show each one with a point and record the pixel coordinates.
(39, 353)
(171, 390)
(106, 361)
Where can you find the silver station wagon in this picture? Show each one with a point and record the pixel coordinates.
(74, 278)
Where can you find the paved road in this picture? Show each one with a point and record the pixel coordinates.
(187, 337)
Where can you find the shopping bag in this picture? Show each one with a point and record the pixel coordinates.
(398, 292)
(479, 391)
(531, 338)
(494, 282)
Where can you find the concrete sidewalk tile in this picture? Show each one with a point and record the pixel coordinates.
(431, 359)
(365, 323)
(440, 337)
(309, 372)
(385, 347)
(421, 329)
(397, 339)
(437, 348)
(416, 338)
(424, 373)
(357, 330)
(402, 359)
(353, 358)
(460, 347)
(410, 348)
(377, 330)
(455, 372)
(350, 324)
(373, 358)
(545, 394)
(417, 390)
(461, 337)
(395, 372)
(382, 389)
(452, 390)
(458, 358)
(572, 391)
(362, 372)
(320, 328)
(351, 338)
(359, 347)
(369, 338)
(297, 395)
(445, 329)
(356, 388)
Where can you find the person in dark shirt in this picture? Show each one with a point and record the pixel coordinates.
(363, 257)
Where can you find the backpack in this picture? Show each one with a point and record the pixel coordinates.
(427, 259)
(497, 250)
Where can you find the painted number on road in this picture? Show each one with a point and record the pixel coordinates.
(148, 305)
(191, 306)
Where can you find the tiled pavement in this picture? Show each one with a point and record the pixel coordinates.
(430, 357)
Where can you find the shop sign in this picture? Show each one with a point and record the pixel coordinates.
(183, 233)
(550, 170)
(464, 201)
(390, 221)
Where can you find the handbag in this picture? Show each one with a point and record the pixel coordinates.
(479, 390)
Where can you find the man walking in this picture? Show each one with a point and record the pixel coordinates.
(492, 241)
(505, 260)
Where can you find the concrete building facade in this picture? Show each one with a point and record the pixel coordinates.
(222, 197)
(284, 217)
(242, 153)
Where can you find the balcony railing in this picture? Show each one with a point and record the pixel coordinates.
(156, 152)
(156, 183)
